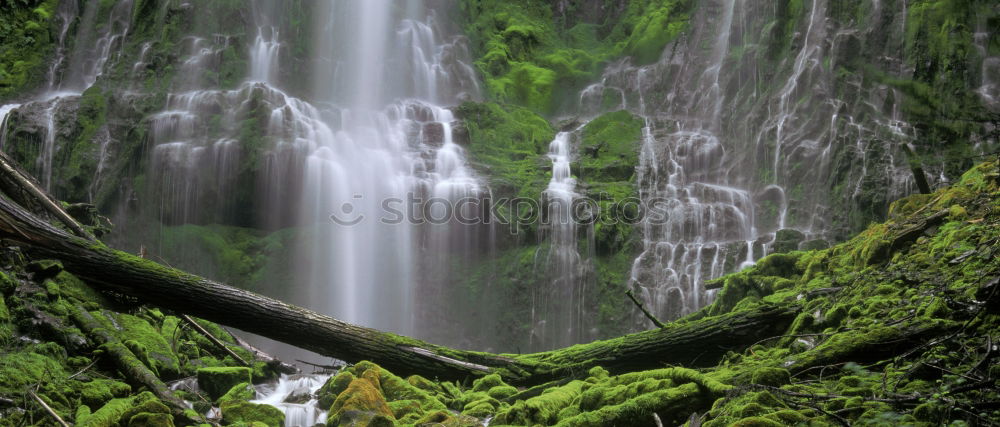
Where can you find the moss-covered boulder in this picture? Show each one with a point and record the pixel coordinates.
(235, 411)
(774, 377)
(360, 404)
(333, 387)
(241, 391)
(216, 382)
(147, 419)
(95, 393)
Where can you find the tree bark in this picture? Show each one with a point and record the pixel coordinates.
(696, 343)
(919, 177)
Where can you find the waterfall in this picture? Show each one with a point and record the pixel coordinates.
(302, 120)
(393, 141)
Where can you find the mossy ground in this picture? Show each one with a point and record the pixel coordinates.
(43, 351)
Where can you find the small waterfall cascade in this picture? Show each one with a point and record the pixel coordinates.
(294, 395)
(989, 88)
(558, 316)
(264, 53)
(4, 112)
(95, 42)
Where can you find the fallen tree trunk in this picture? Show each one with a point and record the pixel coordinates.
(700, 342)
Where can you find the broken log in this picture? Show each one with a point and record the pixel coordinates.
(48, 409)
(645, 312)
(222, 346)
(19, 185)
(695, 343)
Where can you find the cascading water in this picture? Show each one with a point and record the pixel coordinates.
(295, 396)
(4, 112)
(704, 213)
(681, 173)
(95, 44)
(557, 317)
(732, 150)
(390, 141)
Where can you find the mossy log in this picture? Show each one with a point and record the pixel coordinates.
(128, 363)
(700, 342)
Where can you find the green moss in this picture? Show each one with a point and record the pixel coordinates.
(95, 393)
(502, 391)
(487, 382)
(148, 419)
(146, 405)
(774, 377)
(639, 409)
(609, 150)
(360, 403)
(216, 382)
(333, 387)
(543, 409)
(144, 341)
(527, 59)
(658, 24)
(27, 42)
(235, 411)
(242, 391)
(30, 366)
(115, 411)
(507, 144)
(107, 416)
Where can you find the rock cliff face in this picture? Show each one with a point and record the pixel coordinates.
(756, 126)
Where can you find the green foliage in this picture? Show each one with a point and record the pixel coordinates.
(26, 31)
(526, 59)
(609, 150)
